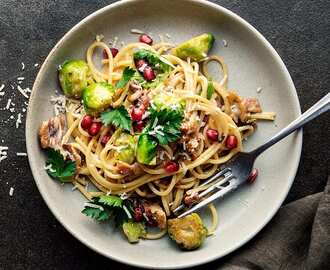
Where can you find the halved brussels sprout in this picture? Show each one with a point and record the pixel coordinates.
(97, 97)
(126, 154)
(146, 150)
(74, 76)
(188, 232)
(195, 48)
(134, 231)
(165, 100)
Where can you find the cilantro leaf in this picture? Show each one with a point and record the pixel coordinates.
(118, 117)
(110, 200)
(127, 76)
(210, 90)
(96, 213)
(164, 125)
(59, 168)
(157, 62)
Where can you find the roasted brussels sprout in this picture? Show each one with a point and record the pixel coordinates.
(74, 76)
(195, 48)
(134, 231)
(126, 154)
(146, 150)
(188, 232)
(97, 97)
(164, 100)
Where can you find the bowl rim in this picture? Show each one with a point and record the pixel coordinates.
(29, 133)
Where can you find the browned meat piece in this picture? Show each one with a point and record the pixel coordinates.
(191, 199)
(52, 131)
(156, 215)
(251, 105)
(125, 168)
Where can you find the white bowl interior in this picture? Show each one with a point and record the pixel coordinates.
(252, 63)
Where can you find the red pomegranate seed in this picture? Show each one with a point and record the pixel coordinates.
(253, 176)
(94, 129)
(139, 126)
(231, 142)
(114, 52)
(105, 139)
(86, 122)
(141, 65)
(171, 167)
(212, 134)
(149, 74)
(145, 39)
(138, 215)
(136, 114)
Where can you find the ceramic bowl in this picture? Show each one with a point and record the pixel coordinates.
(252, 63)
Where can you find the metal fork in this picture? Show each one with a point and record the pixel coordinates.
(237, 171)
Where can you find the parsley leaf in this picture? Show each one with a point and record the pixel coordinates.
(127, 76)
(118, 117)
(110, 200)
(210, 90)
(157, 62)
(60, 169)
(164, 125)
(109, 206)
(96, 213)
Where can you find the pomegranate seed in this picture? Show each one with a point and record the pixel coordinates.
(136, 114)
(149, 74)
(231, 142)
(114, 52)
(105, 139)
(86, 122)
(141, 64)
(94, 129)
(139, 126)
(253, 176)
(138, 215)
(171, 167)
(212, 134)
(146, 39)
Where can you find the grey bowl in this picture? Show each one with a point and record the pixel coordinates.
(252, 63)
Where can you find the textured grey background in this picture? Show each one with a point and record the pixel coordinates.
(30, 237)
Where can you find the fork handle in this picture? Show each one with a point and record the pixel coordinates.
(317, 109)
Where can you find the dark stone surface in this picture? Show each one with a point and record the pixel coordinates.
(30, 237)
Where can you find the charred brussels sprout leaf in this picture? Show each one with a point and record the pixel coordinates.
(195, 48)
(134, 231)
(74, 76)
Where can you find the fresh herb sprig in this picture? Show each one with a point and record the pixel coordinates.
(128, 74)
(59, 168)
(156, 61)
(105, 207)
(118, 117)
(164, 125)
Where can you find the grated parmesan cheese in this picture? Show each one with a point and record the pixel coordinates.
(127, 212)
(168, 35)
(21, 154)
(23, 91)
(259, 89)
(8, 104)
(36, 64)
(23, 66)
(225, 43)
(3, 152)
(99, 37)
(20, 78)
(19, 120)
(137, 31)
(2, 87)
(11, 191)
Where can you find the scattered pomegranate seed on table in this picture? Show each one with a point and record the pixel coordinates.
(86, 122)
(149, 74)
(231, 142)
(212, 134)
(253, 176)
(171, 167)
(144, 38)
(94, 129)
